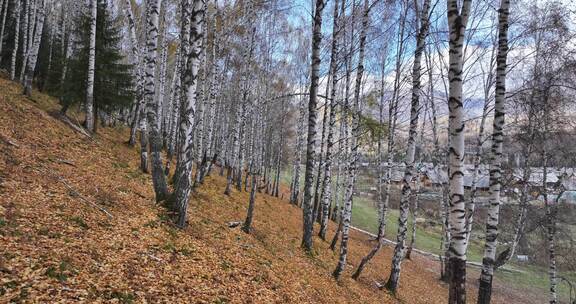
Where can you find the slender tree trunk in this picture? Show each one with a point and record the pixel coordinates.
(152, 106)
(250, 214)
(318, 185)
(394, 278)
(278, 160)
(67, 51)
(139, 103)
(17, 16)
(384, 199)
(382, 204)
(295, 192)
(347, 213)
(477, 160)
(4, 9)
(161, 88)
(185, 45)
(345, 110)
(415, 201)
(444, 205)
(521, 220)
(392, 119)
(485, 289)
(327, 183)
(307, 204)
(91, 65)
(339, 158)
(212, 95)
(33, 12)
(457, 21)
(199, 151)
(25, 31)
(239, 124)
(33, 51)
(189, 95)
(174, 115)
(51, 36)
(550, 227)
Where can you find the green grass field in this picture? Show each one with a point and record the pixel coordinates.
(365, 216)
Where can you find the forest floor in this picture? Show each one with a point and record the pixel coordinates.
(58, 245)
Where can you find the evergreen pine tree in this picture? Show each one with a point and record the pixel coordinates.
(50, 61)
(113, 83)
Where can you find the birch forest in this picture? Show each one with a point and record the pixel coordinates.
(288, 151)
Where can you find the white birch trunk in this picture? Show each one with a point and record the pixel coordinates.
(25, 30)
(523, 204)
(392, 118)
(485, 289)
(169, 105)
(327, 182)
(382, 204)
(33, 51)
(162, 80)
(550, 230)
(318, 184)
(295, 189)
(345, 117)
(457, 21)
(17, 15)
(91, 65)
(138, 74)
(213, 92)
(174, 114)
(152, 106)
(187, 118)
(31, 27)
(399, 249)
(347, 213)
(307, 204)
(245, 82)
(415, 202)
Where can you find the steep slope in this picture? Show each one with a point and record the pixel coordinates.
(57, 244)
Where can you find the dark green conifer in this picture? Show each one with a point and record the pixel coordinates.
(113, 83)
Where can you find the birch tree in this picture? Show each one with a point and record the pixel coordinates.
(303, 75)
(67, 49)
(27, 12)
(212, 96)
(307, 204)
(136, 59)
(352, 166)
(183, 181)
(247, 226)
(346, 135)
(33, 52)
(485, 289)
(89, 105)
(327, 182)
(392, 123)
(152, 106)
(17, 17)
(457, 21)
(385, 179)
(394, 278)
(550, 233)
